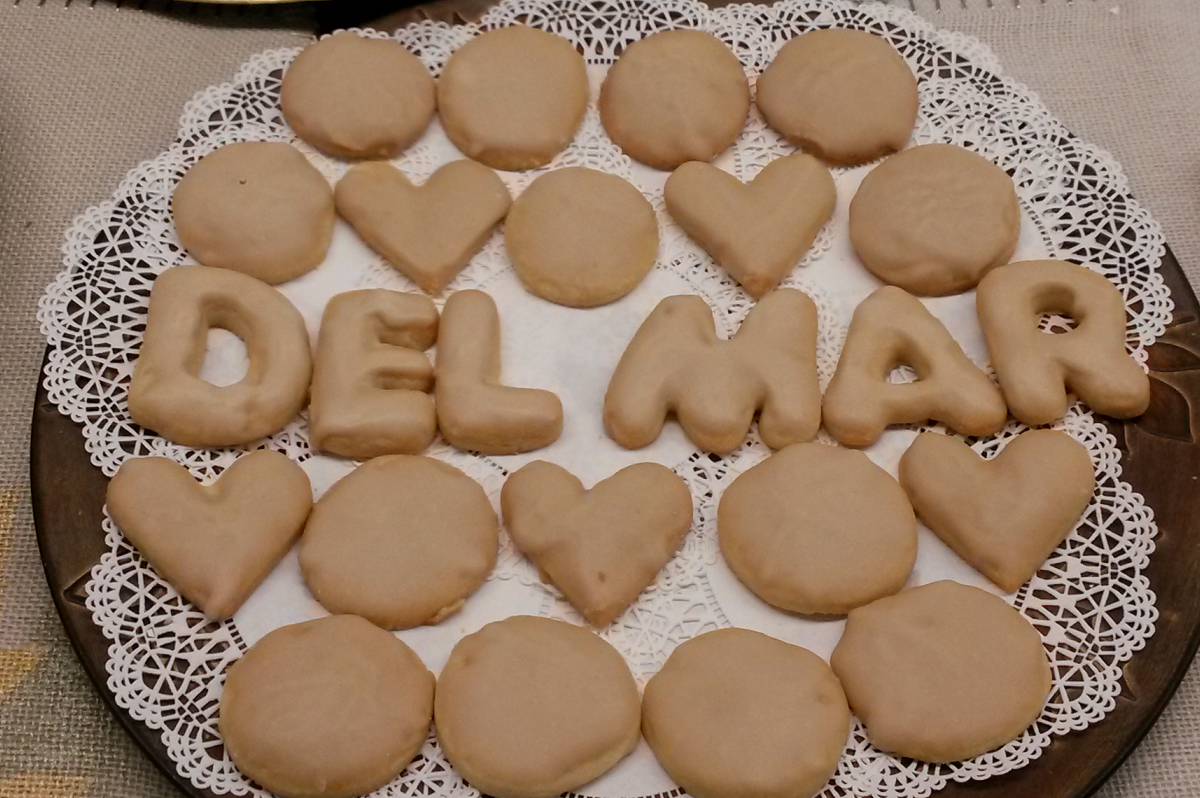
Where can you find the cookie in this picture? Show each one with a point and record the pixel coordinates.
(167, 394)
(846, 96)
(817, 530)
(512, 98)
(934, 219)
(401, 541)
(427, 232)
(330, 708)
(213, 543)
(600, 547)
(675, 96)
(257, 207)
(474, 411)
(1004, 516)
(532, 707)
(355, 97)
(756, 231)
(581, 238)
(1036, 369)
(942, 672)
(891, 328)
(372, 384)
(736, 713)
(677, 364)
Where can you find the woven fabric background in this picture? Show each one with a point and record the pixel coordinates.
(86, 92)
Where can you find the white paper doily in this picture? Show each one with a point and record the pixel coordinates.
(1091, 603)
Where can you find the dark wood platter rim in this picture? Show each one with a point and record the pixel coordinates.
(1160, 459)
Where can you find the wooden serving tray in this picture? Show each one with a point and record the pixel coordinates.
(1160, 460)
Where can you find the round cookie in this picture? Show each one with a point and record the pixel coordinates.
(532, 707)
(942, 672)
(401, 540)
(330, 708)
(512, 98)
(846, 96)
(675, 96)
(736, 713)
(818, 530)
(580, 237)
(256, 207)
(355, 97)
(935, 219)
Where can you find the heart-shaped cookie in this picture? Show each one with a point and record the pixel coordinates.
(600, 547)
(427, 232)
(756, 231)
(213, 543)
(1004, 516)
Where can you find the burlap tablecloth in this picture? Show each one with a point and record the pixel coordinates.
(88, 92)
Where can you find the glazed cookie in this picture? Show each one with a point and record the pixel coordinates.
(942, 672)
(532, 707)
(401, 541)
(891, 328)
(736, 713)
(355, 97)
(257, 207)
(677, 364)
(474, 411)
(758, 231)
(675, 96)
(934, 219)
(1004, 516)
(1035, 369)
(330, 708)
(844, 95)
(371, 381)
(847, 538)
(581, 238)
(213, 543)
(167, 394)
(600, 547)
(513, 97)
(427, 232)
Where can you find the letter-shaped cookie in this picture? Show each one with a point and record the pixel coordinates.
(892, 328)
(167, 394)
(1005, 515)
(474, 411)
(371, 382)
(213, 543)
(427, 232)
(756, 231)
(600, 547)
(1036, 369)
(676, 363)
